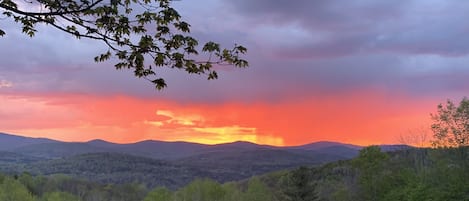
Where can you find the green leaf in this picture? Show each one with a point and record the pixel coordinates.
(212, 75)
(159, 83)
(211, 47)
(128, 36)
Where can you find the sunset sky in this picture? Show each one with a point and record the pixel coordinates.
(360, 71)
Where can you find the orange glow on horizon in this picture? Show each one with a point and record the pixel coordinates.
(360, 118)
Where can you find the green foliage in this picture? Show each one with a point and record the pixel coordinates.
(370, 157)
(159, 194)
(257, 191)
(13, 190)
(374, 176)
(371, 163)
(451, 124)
(59, 196)
(128, 192)
(232, 192)
(201, 190)
(134, 30)
(341, 194)
(120, 168)
(298, 186)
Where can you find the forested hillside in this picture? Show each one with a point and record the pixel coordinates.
(117, 168)
(406, 175)
(159, 163)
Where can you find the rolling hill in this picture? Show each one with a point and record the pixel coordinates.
(46, 148)
(9, 142)
(153, 163)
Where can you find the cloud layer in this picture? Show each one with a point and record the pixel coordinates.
(404, 55)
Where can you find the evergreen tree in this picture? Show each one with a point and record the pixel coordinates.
(299, 187)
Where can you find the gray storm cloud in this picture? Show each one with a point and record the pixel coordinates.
(300, 48)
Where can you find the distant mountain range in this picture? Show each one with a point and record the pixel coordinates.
(9, 142)
(53, 149)
(171, 164)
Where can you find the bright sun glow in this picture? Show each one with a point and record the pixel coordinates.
(236, 133)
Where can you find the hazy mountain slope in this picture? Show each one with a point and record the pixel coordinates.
(158, 149)
(15, 158)
(325, 144)
(151, 149)
(393, 147)
(238, 145)
(337, 152)
(41, 147)
(57, 149)
(8, 141)
(246, 163)
(45, 148)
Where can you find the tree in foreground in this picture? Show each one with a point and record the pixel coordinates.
(299, 187)
(451, 124)
(201, 190)
(12, 190)
(257, 191)
(370, 163)
(134, 31)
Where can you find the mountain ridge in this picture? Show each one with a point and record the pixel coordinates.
(169, 150)
(93, 141)
(10, 141)
(182, 161)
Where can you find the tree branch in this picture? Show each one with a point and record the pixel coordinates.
(15, 10)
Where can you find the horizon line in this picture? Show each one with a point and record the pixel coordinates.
(181, 141)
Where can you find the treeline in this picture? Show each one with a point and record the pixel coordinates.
(118, 168)
(407, 175)
(61, 188)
